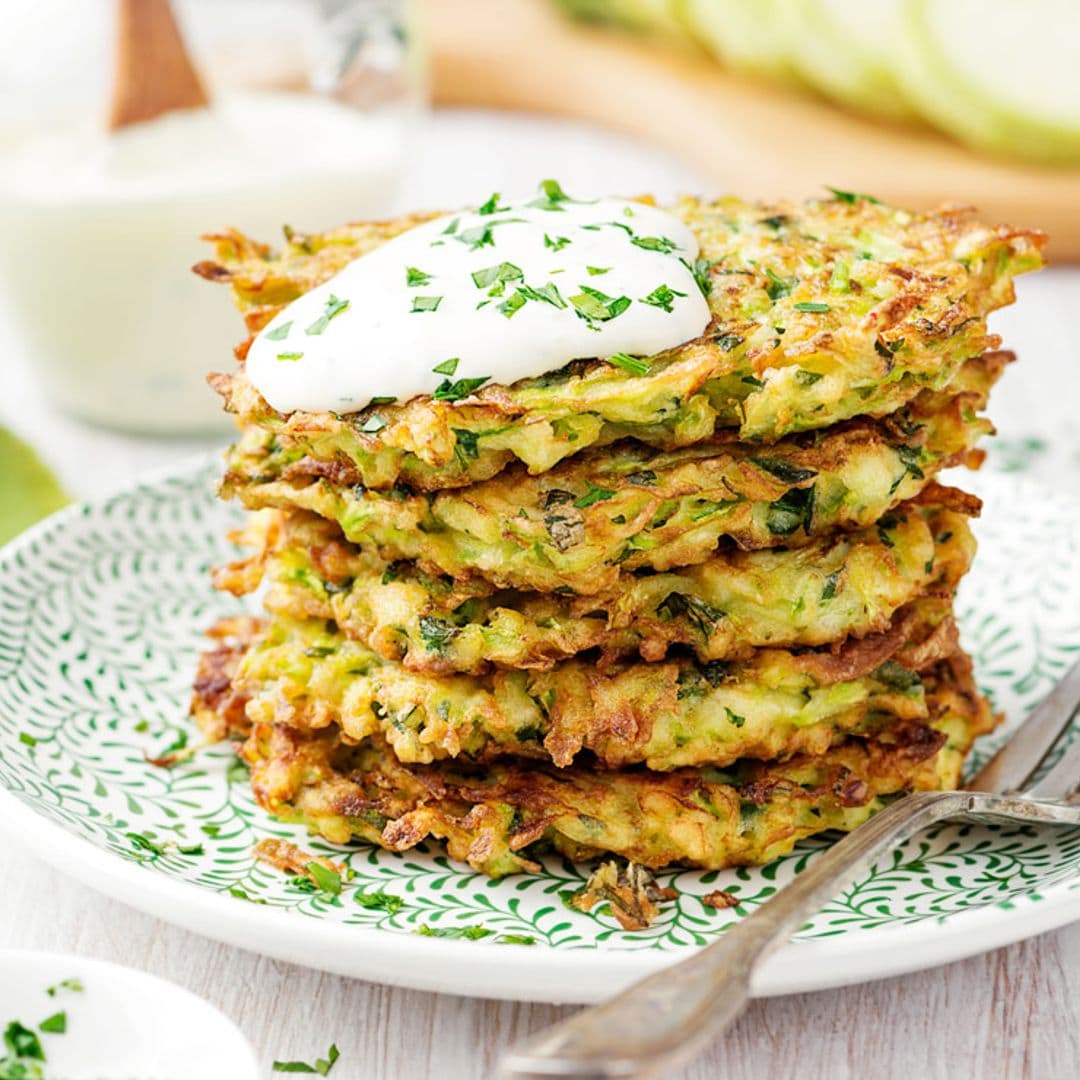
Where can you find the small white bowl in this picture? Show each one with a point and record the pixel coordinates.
(122, 1023)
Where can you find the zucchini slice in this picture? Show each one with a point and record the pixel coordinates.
(963, 64)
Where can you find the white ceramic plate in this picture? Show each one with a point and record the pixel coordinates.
(102, 610)
(91, 1019)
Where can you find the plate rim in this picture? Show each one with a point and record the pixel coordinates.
(541, 974)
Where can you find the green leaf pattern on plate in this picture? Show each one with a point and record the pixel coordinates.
(102, 613)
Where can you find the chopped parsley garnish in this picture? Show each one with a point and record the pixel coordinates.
(154, 848)
(793, 509)
(549, 294)
(829, 591)
(55, 1024)
(663, 296)
(455, 391)
(447, 367)
(778, 286)
(477, 237)
(851, 197)
(435, 633)
(325, 879)
(896, 676)
(807, 378)
(491, 206)
(813, 306)
(27, 739)
(727, 342)
(734, 717)
(636, 365)
(595, 271)
(593, 495)
(425, 303)
(452, 228)
(469, 933)
(373, 424)
(75, 986)
(334, 307)
(496, 275)
(553, 196)
(376, 899)
(321, 1067)
(654, 243)
(595, 306)
(556, 243)
(513, 303)
(290, 355)
(382, 400)
(700, 270)
(468, 443)
(783, 470)
(415, 278)
(213, 831)
(752, 380)
(21, 1042)
(279, 333)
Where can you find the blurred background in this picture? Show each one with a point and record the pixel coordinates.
(128, 128)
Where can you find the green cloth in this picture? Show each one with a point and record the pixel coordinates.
(28, 489)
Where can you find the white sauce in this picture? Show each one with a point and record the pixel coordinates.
(432, 298)
(101, 230)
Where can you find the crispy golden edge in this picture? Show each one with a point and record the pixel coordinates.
(778, 703)
(579, 526)
(833, 588)
(903, 319)
(500, 818)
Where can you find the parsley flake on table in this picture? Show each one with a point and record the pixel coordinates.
(55, 1024)
(21, 1042)
(414, 278)
(321, 1067)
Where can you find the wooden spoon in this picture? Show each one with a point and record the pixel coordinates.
(154, 73)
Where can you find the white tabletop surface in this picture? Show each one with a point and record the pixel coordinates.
(1014, 1013)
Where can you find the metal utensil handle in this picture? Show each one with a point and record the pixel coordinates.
(664, 1020)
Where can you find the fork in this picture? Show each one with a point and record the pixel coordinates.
(664, 1020)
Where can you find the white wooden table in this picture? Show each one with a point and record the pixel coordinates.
(1014, 1013)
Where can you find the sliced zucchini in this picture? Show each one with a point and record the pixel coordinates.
(747, 35)
(842, 48)
(999, 75)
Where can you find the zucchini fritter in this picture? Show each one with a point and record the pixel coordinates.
(499, 818)
(579, 526)
(306, 674)
(835, 586)
(822, 311)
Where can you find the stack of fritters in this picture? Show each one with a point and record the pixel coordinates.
(686, 613)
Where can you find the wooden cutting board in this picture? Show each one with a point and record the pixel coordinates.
(751, 138)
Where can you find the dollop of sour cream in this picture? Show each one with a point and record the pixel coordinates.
(498, 294)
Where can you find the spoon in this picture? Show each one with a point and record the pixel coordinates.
(154, 73)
